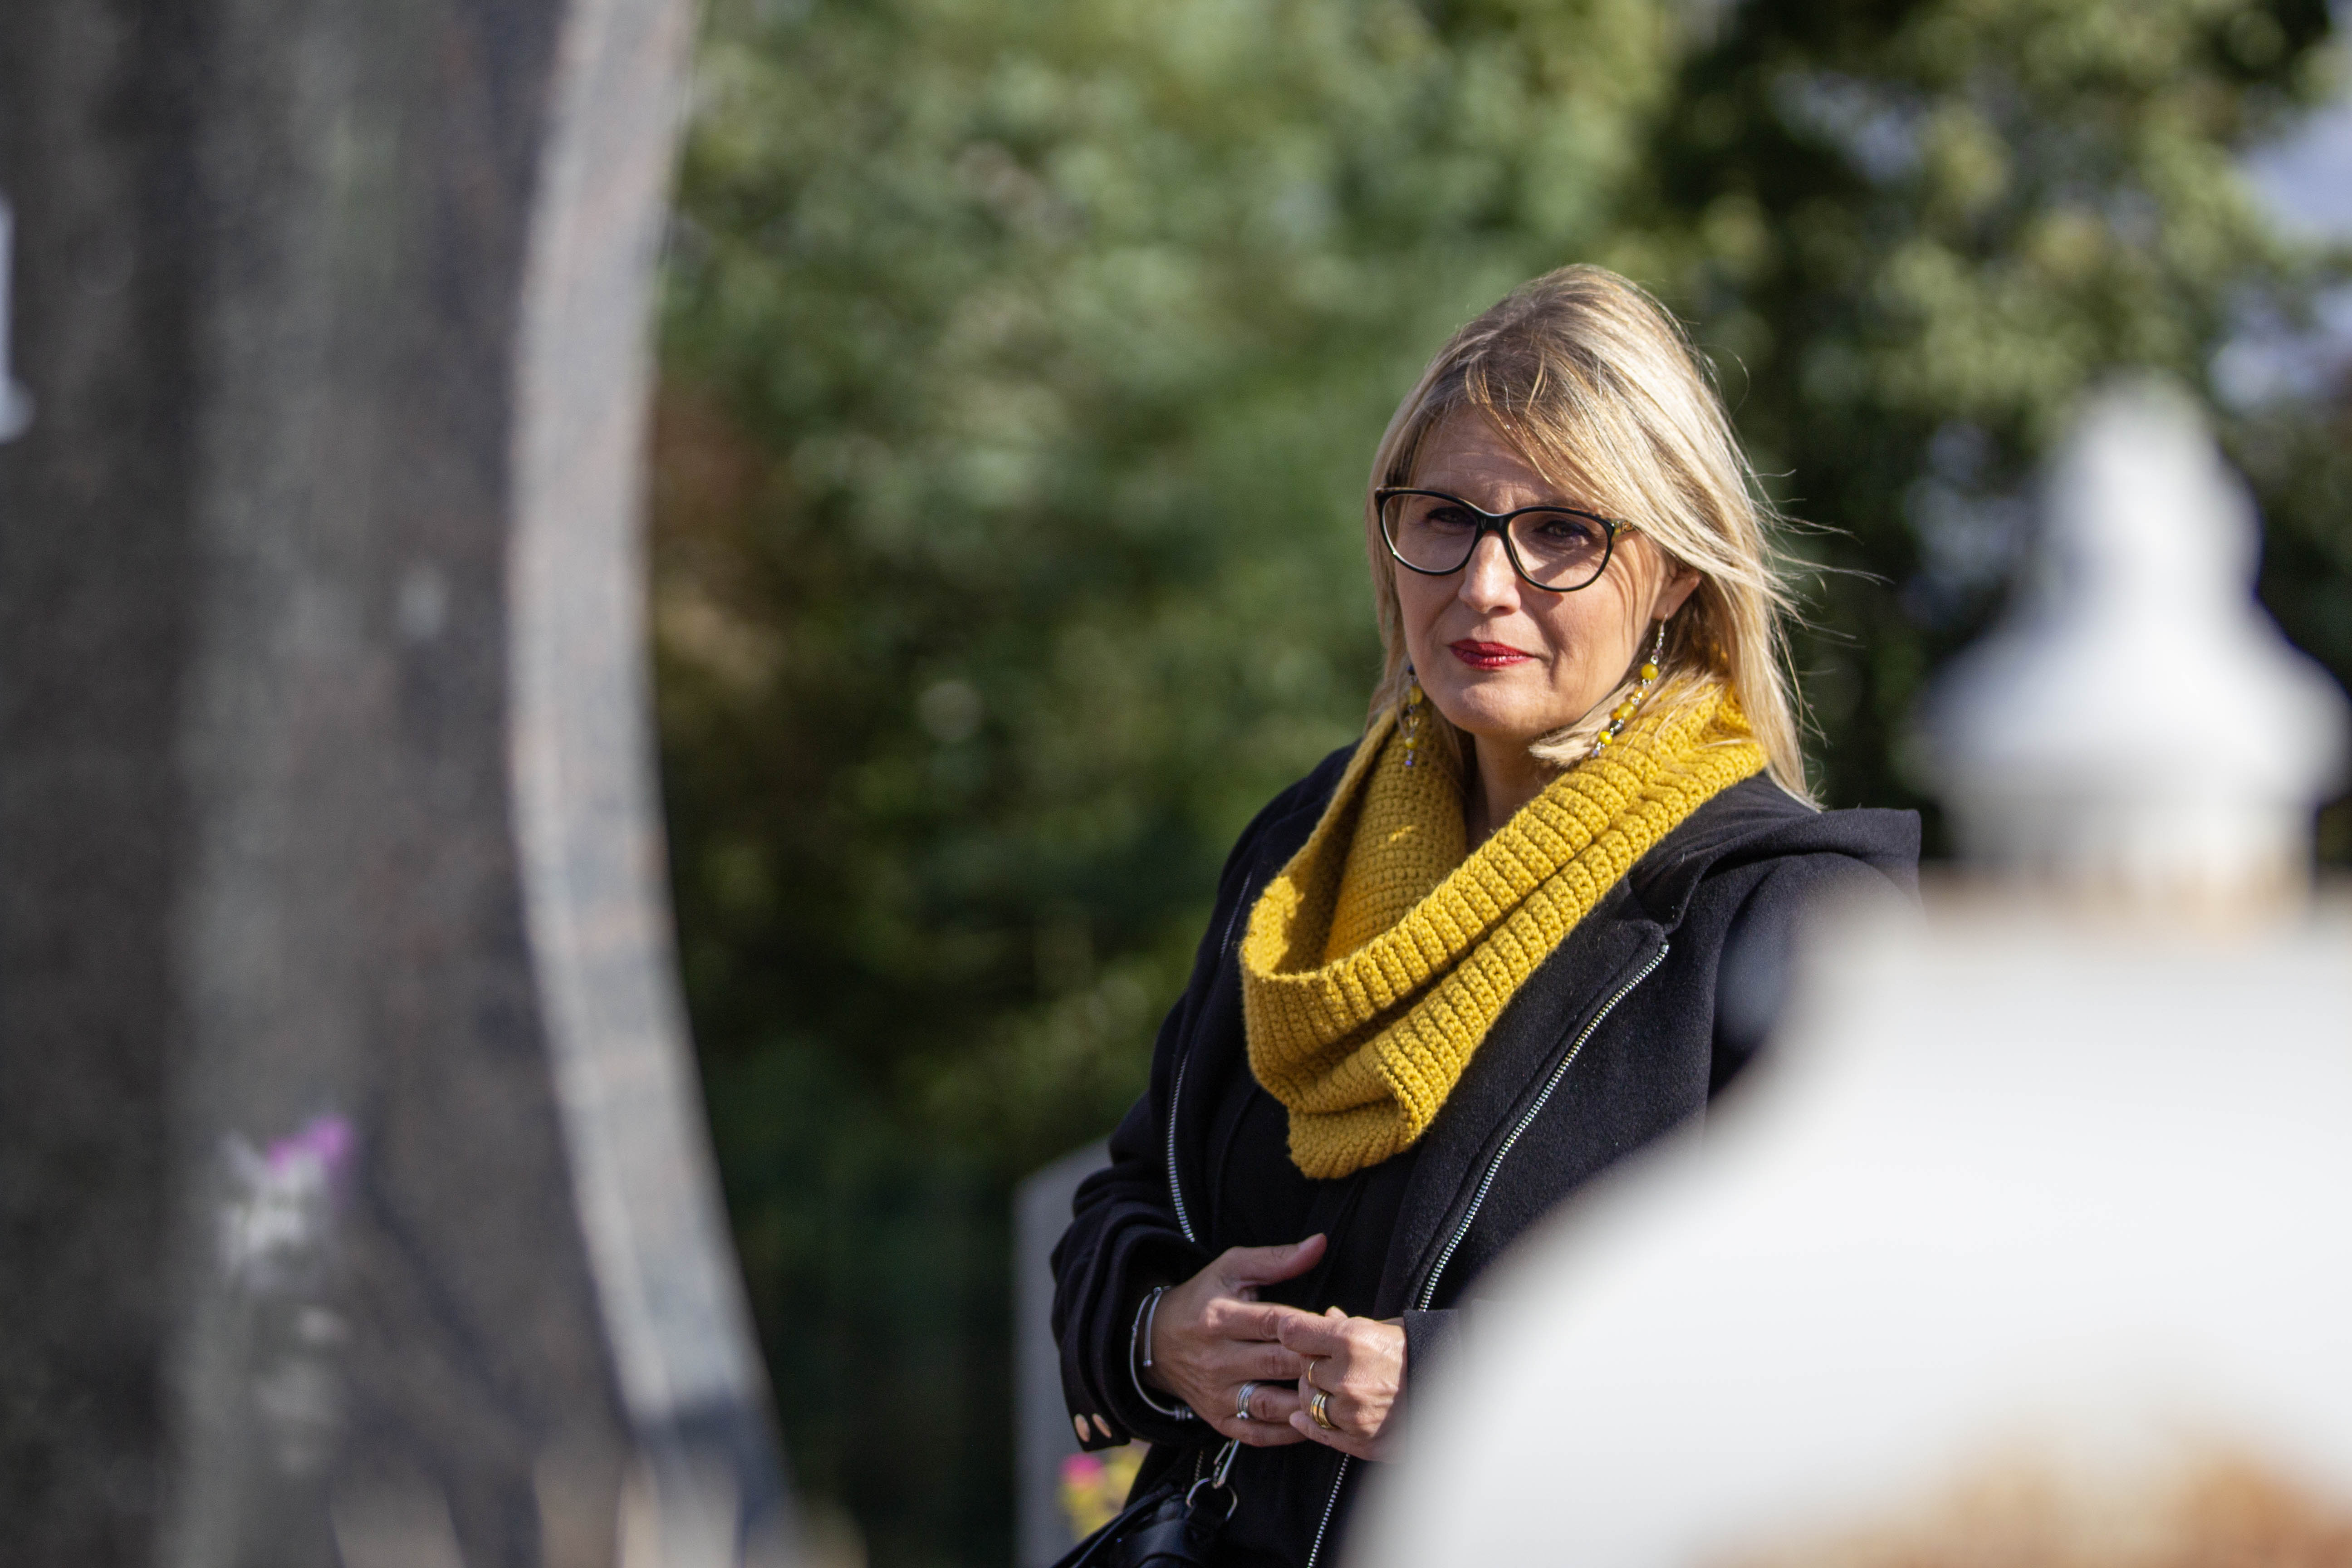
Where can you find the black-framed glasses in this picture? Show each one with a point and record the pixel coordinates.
(1557, 548)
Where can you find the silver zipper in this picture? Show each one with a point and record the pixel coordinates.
(1494, 1166)
(1485, 1185)
(1176, 1193)
(1176, 1091)
(1339, 1480)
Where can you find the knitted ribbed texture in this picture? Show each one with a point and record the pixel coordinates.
(1377, 960)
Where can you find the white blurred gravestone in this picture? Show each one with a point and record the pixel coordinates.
(1041, 1213)
(2139, 722)
(2040, 1207)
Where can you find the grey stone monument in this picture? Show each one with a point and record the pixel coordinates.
(1041, 1213)
(354, 1197)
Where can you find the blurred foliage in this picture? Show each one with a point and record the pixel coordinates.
(1023, 366)
(1912, 233)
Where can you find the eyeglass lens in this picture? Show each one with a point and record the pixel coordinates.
(1435, 533)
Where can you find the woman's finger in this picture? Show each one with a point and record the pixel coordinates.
(1268, 1425)
(1227, 1362)
(1237, 1318)
(1342, 1412)
(1346, 1370)
(1254, 1433)
(1358, 1425)
(1312, 1337)
(1347, 1411)
(1272, 1364)
(1346, 1442)
(1271, 1404)
(1241, 1267)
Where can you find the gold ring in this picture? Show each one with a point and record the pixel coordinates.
(1320, 1407)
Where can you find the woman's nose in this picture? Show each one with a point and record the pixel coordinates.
(1488, 581)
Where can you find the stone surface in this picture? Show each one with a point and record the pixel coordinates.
(2029, 1196)
(1041, 1213)
(352, 1170)
(2138, 723)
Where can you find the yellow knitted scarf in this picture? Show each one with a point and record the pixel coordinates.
(1376, 961)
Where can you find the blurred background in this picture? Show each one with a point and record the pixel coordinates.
(1021, 363)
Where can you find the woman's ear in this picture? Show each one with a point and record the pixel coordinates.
(1681, 583)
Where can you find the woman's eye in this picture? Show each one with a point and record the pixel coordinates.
(1449, 517)
(1562, 527)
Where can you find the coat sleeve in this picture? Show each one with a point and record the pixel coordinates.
(1431, 1339)
(1124, 1238)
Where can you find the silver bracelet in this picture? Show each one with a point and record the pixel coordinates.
(1138, 1355)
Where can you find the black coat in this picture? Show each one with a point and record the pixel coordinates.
(1651, 1005)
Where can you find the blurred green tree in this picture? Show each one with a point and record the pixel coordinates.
(1022, 363)
(1025, 360)
(1911, 234)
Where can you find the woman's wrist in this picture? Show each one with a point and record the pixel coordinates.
(1138, 1355)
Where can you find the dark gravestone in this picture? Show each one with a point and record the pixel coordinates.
(355, 1199)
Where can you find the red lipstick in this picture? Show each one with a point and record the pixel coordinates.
(1487, 655)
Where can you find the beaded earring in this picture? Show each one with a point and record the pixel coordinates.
(1409, 718)
(1622, 714)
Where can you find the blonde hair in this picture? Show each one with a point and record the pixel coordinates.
(1599, 390)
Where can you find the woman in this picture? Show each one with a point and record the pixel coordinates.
(1532, 920)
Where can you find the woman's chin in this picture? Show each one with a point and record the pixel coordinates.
(1502, 723)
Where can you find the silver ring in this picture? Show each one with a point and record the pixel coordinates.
(1241, 1402)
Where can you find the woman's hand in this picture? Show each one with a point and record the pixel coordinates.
(1360, 1364)
(1212, 1334)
